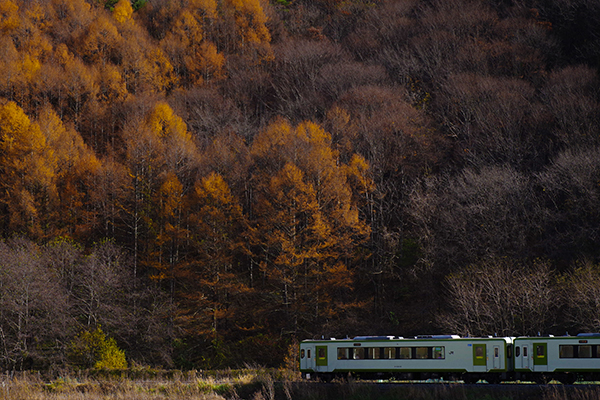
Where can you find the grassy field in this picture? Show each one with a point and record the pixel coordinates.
(259, 384)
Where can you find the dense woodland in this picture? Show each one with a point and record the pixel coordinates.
(209, 181)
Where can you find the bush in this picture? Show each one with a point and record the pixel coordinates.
(95, 350)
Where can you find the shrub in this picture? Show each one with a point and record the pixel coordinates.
(92, 349)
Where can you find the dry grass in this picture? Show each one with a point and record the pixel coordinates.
(260, 384)
(70, 389)
(235, 385)
(559, 392)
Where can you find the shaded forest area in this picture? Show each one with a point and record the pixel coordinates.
(208, 181)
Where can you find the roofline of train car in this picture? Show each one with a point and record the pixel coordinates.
(390, 338)
(384, 339)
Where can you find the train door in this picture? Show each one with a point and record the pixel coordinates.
(496, 362)
(479, 358)
(540, 357)
(321, 358)
(525, 356)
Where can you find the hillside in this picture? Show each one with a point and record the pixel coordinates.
(210, 181)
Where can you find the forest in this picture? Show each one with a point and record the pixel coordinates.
(203, 183)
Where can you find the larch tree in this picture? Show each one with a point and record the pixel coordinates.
(75, 167)
(215, 281)
(100, 44)
(9, 16)
(161, 160)
(247, 28)
(144, 66)
(181, 43)
(28, 170)
(307, 225)
(195, 59)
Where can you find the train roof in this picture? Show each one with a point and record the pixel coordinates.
(411, 338)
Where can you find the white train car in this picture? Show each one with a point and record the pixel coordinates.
(566, 358)
(423, 357)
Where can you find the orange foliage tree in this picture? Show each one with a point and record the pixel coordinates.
(161, 159)
(27, 169)
(214, 278)
(307, 225)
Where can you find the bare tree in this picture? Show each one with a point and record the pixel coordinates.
(581, 297)
(570, 194)
(478, 214)
(502, 297)
(570, 100)
(34, 311)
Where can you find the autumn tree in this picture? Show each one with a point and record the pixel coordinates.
(246, 24)
(101, 42)
(307, 224)
(161, 159)
(102, 291)
(400, 144)
(208, 114)
(69, 19)
(9, 15)
(28, 170)
(73, 86)
(75, 166)
(145, 67)
(215, 293)
(195, 58)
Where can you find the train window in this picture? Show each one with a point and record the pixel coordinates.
(585, 352)
(422, 353)
(517, 351)
(404, 353)
(359, 353)
(343, 353)
(525, 351)
(496, 352)
(374, 353)
(566, 351)
(321, 353)
(308, 353)
(539, 351)
(438, 353)
(479, 351)
(302, 353)
(389, 353)
(596, 353)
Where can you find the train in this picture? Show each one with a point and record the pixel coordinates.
(541, 359)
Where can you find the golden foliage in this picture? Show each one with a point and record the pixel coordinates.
(123, 11)
(208, 7)
(26, 163)
(9, 16)
(101, 41)
(307, 215)
(250, 20)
